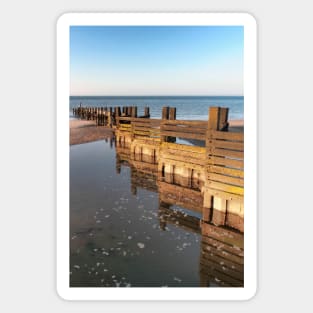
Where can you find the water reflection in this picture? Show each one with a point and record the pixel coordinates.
(129, 228)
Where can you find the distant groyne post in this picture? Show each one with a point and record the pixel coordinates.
(165, 116)
(146, 112)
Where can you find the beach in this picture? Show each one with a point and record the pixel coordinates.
(87, 131)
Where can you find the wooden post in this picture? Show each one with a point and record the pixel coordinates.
(147, 112)
(165, 113)
(217, 206)
(218, 118)
(165, 116)
(172, 116)
(223, 120)
(214, 118)
(109, 119)
(116, 115)
(129, 111)
(134, 111)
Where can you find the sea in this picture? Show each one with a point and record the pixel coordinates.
(187, 107)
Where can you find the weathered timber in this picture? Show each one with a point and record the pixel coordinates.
(231, 136)
(183, 135)
(199, 123)
(226, 171)
(227, 153)
(238, 146)
(226, 187)
(226, 179)
(183, 129)
(232, 163)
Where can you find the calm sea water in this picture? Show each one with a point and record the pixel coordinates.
(192, 108)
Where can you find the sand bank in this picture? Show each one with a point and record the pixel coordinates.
(87, 131)
(236, 126)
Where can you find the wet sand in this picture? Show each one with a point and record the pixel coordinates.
(236, 126)
(87, 131)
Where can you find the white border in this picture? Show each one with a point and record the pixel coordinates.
(250, 120)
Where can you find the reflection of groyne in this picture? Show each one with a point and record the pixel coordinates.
(222, 257)
(221, 260)
(213, 175)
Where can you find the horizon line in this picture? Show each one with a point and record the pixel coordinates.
(156, 95)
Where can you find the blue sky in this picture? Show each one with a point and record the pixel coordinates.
(156, 60)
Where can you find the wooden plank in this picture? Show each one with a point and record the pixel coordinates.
(183, 135)
(176, 146)
(139, 133)
(238, 164)
(128, 118)
(188, 161)
(225, 171)
(225, 187)
(226, 153)
(184, 129)
(154, 142)
(145, 132)
(184, 152)
(231, 136)
(225, 144)
(147, 129)
(146, 124)
(226, 179)
(224, 195)
(198, 123)
(181, 164)
(125, 126)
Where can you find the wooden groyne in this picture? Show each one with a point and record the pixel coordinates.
(106, 116)
(211, 175)
(213, 172)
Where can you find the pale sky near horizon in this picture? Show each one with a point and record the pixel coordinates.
(156, 60)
